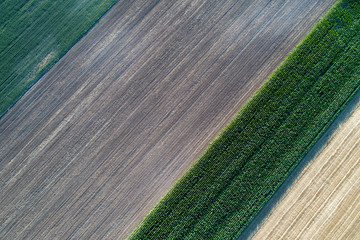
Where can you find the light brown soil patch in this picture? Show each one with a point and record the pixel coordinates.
(90, 149)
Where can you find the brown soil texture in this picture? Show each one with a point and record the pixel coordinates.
(91, 148)
(324, 202)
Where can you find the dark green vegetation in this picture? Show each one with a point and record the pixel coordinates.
(34, 35)
(248, 161)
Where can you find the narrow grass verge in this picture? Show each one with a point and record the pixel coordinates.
(241, 169)
(34, 35)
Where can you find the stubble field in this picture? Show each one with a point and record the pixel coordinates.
(324, 201)
(89, 150)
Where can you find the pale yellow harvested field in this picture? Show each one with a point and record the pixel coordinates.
(324, 202)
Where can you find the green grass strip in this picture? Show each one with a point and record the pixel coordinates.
(242, 168)
(34, 34)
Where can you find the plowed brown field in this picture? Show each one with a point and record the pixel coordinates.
(324, 202)
(90, 149)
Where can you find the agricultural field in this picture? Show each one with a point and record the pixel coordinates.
(89, 150)
(324, 202)
(239, 172)
(34, 35)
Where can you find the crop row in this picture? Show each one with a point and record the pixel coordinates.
(34, 35)
(242, 168)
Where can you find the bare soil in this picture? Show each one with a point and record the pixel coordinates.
(91, 148)
(324, 202)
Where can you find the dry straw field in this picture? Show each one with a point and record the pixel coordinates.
(324, 202)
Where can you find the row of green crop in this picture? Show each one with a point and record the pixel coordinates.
(34, 34)
(247, 162)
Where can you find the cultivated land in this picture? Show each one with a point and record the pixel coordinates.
(34, 35)
(324, 202)
(250, 159)
(89, 150)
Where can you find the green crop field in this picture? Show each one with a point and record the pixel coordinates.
(34, 34)
(237, 174)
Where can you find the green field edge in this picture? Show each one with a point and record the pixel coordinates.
(152, 223)
(5, 108)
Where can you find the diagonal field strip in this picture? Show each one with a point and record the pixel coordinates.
(90, 149)
(323, 203)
